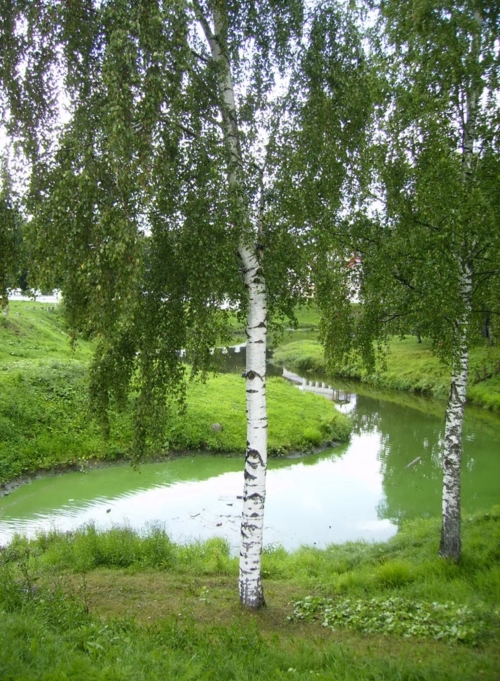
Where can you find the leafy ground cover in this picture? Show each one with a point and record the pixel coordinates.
(117, 605)
(45, 422)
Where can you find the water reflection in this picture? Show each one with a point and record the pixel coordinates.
(331, 497)
(410, 458)
(318, 386)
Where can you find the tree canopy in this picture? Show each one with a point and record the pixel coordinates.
(11, 226)
(146, 194)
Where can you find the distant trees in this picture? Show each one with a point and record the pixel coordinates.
(11, 225)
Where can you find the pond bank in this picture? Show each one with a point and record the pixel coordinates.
(409, 366)
(6, 488)
(45, 425)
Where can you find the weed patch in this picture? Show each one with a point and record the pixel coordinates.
(399, 616)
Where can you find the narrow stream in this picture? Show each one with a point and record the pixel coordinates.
(389, 471)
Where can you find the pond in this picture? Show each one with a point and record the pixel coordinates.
(389, 471)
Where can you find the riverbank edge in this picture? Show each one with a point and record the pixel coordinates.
(313, 362)
(9, 486)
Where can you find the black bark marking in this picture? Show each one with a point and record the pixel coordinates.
(253, 374)
(256, 495)
(255, 454)
(249, 476)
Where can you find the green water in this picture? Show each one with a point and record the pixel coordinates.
(358, 491)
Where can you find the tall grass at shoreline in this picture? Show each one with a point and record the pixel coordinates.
(407, 563)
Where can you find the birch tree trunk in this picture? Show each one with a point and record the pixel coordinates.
(450, 546)
(451, 543)
(254, 491)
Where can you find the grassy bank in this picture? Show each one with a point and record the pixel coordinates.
(44, 420)
(117, 605)
(409, 366)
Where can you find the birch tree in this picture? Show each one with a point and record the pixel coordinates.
(430, 244)
(147, 195)
(220, 24)
(449, 135)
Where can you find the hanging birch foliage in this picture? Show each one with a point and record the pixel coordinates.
(10, 237)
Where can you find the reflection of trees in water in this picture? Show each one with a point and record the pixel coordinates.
(232, 361)
(405, 434)
(364, 418)
(409, 434)
(411, 489)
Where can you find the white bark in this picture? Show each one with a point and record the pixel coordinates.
(254, 492)
(451, 542)
(450, 546)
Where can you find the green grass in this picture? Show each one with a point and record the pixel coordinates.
(304, 355)
(486, 393)
(297, 421)
(307, 316)
(409, 366)
(116, 605)
(45, 422)
(35, 333)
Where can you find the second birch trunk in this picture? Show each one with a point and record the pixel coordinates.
(450, 546)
